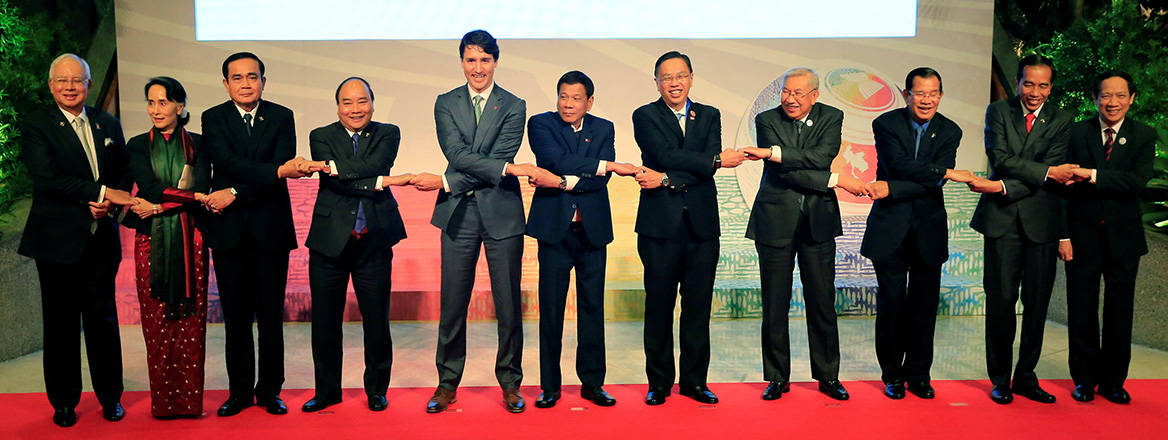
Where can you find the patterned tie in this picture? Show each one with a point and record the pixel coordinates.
(918, 130)
(91, 156)
(359, 225)
(681, 121)
(1110, 132)
(1030, 121)
(478, 106)
(247, 122)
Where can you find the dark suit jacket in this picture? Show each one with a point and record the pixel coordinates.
(1114, 199)
(915, 198)
(153, 191)
(59, 221)
(1020, 159)
(476, 155)
(556, 149)
(688, 160)
(803, 174)
(335, 211)
(262, 210)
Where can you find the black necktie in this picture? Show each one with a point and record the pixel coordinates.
(359, 225)
(247, 122)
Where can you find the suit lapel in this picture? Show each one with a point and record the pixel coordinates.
(261, 125)
(1018, 117)
(1095, 146)
(1119, 147)
(98, 138)
(567, 135)
(490, 116)
(669, 118)
(235, 125)
(365, 140)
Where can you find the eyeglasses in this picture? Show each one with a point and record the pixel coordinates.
(1108, 96)
(62, 81)
(931, 95)
(798, 94)
(671, 78)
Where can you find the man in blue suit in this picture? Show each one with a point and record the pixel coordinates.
(571, 219)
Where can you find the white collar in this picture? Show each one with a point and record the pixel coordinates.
(1104, 126)
(71, 117)
(486, 94)
(577, 130)
(245, 112)
(1026, 112)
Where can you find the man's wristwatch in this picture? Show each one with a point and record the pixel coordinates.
(564, 183)
(665, 180)
(233, 191)
(718, 161)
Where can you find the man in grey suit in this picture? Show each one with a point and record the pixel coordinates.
(480, 128)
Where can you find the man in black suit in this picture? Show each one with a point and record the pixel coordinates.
(355, 223)
(796, 213)
(907, 237)
(480, 128)
(251, 143)
(1116, 157)
(77, 158)
(571, 218)
(677, 226)
(1021, 214)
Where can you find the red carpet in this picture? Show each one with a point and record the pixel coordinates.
(962, 410)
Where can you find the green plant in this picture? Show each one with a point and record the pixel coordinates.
(1128, 37)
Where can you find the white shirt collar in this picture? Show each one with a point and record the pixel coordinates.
(486, 93)
(1103, 125)
(245, 112)
(71, 117)
(577, 130)
(1026, 112)
(351, 132)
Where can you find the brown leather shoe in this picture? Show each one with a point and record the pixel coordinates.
(513, 400)
(441, 400)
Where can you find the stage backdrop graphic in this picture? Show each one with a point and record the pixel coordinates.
(408, 51)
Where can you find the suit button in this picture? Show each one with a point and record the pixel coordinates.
(353, 212)
(573, 206)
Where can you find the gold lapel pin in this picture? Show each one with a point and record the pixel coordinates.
(261, 118)
(367, 134)
(62, 123)
(1042, 121)
(1122, 141)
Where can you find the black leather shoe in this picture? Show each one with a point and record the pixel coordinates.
(656, 396)
(65, 417)
(701, 394)
(113, 412)
(775, 390)
(1035, 393)
(922, 389)
(833, 389)
(894, 391)
(377, 402)
(1114, 394)
(547, 399)
(233, 405)
(1083, 393)
(597, 396)
(273, 404)
(317, 403)
(1001, 395)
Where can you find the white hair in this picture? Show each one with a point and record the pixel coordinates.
(65, 56)
(812, 77)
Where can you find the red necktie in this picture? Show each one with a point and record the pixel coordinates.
(1029, 121)
(1110, 132)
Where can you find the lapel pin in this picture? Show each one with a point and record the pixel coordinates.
(495, 107)
(62, 123)
(367, 134)
(1042, 121)
(1122, 141)
(692, 115)
(98, 126)
(261, 118)
(587, 140)
(933, 135)
(810, 123)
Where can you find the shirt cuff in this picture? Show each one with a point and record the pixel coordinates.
(101, 194)
(1094, 173)
(601, 168)
(377, 186)
(776, 154)
(332, 164)
(1064, 240)
(1003, 186)
(833, 180)
(572, 181)
(446, 185)
(501, 173)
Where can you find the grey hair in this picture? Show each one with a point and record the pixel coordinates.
(63, 57)
(813, 78)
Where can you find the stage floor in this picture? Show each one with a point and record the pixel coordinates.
(736, 355)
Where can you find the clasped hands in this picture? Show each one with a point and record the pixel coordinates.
(298, 167)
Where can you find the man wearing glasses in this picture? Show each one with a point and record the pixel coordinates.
(677, 226)
(796, 214)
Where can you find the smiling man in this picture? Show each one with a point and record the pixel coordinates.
(1022, 217)
(480, 128)
(355, 223)
(1117, 155)
(907, 233)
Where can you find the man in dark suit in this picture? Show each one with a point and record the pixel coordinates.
(796, 213)
(251, 143)
(77, 159)
(907, 237)
(571, 218)
(1022, 217)
(677, 226)
(355, 223)
(480, 128)
(1116, 157)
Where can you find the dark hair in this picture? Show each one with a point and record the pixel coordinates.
(671, 55)
(1131, 85)
(482, 39)
(239, 56)
(351, 78)
(1035, 60)
(923, 73)
(174, 93)
(577, 77)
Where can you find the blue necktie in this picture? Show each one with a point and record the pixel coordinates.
(359, 225)
(919, 130)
